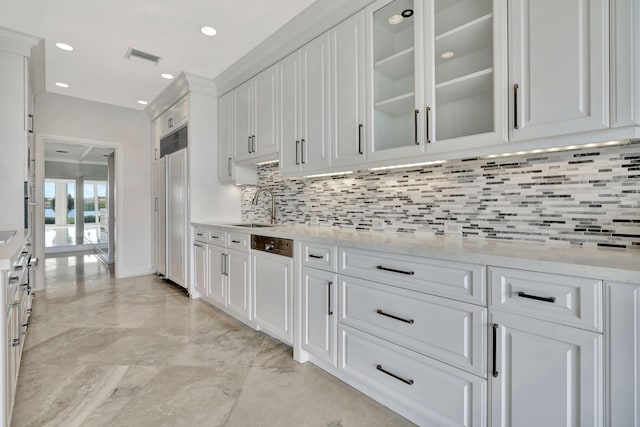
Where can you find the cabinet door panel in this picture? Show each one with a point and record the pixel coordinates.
(273, 300)
(347, 104)
(265, 112)
(200, 268)
(623, 348)
(559, 60)
(225, 131)
(217, 280)
(289, 88)
(177, 215)
(548, 375)
(242, 97)
(238, 283)
(319, 311)
(315, 103)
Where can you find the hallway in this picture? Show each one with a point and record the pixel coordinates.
(137, 352)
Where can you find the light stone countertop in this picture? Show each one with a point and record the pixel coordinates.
(621, 265)
(10, 249)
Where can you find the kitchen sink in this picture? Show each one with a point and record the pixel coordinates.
(252, 225)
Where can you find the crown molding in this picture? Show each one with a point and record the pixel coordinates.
(17, 42)
(179, 87)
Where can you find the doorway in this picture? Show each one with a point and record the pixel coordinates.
(76, 184)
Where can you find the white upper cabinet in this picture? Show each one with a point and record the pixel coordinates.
(559, 67)
(228, 171)
(394, 57)
(255, 116)
(348, 91)
(304, 97)
(465, 70)
(625, 63)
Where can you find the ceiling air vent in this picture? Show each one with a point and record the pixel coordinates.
(140, 56)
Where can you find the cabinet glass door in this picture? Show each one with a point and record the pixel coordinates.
(463, 71)
(394, 76)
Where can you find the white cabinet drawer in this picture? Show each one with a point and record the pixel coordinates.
(201, 235)
(438, 394)
(457, 280)
(567, 300)
(238, 241)
(218, 237)
(319, 256)
(450, 331)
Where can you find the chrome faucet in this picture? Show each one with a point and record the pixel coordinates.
(273, 202)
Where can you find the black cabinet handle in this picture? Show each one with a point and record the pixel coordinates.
(360, 139)
(329, 308)
(382, 313)
(253, 143)
(495, 345)
(249, 144)
(31, 127)
(391, 374)
(235, 241)
(297, 147)
(316, 256)
(536, 297)
(393, 270)
(229, 166)
(515, 106)
(302, 151)
(415, 126)
(427, 136)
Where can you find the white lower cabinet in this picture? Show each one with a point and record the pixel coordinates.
(436, 393)
(200, 268)
(622, 354)
(239, 284)
(545, 374)
(272, 294)
(319, 313)
(217, 280)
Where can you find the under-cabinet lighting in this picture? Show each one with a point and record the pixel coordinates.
(395, 19)
(410, 165)
(268, 162)
(447, 55)
(320, 175)
(64, 46)
(555, 149)
(60, 84)
(208, 31)
(166, 76)
(142, 102)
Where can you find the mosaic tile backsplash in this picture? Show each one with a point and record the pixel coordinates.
(581, 197)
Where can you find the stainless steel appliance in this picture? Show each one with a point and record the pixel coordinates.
(274, 245)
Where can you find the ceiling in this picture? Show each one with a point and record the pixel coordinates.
(102, 32)
(76, 153)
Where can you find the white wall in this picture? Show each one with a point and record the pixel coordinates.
(65, 116)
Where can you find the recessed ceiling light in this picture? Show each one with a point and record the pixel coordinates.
(208, 31)
(166, 76)
(142, 102)
(395, 19)
(60, 84)
(64, 46)
(447, 55)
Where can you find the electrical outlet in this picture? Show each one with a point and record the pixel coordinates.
(377, 225)
(314, 220)
(452, 229)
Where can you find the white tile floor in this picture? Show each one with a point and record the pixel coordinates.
(138, 352)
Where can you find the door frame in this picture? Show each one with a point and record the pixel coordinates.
(38, 227)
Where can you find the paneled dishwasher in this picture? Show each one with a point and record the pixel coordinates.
(272, 271)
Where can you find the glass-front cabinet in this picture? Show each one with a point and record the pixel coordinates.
(395, 80)
(437, 68)
(465, 62)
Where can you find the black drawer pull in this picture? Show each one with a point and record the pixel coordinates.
(495, 336)
(235, 241)
(382, 313)
(537, 298)
(393, 270)
(404, 380)
(215, 237)
(316, 256)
